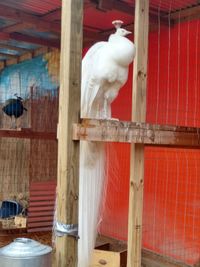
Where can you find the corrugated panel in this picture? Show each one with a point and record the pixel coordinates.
(168, 5)
(171, 5)
(41, 206)
(34, 6)
(42, 7)
(100, 20)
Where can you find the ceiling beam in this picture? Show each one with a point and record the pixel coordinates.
(90, 37)
(16, 27)
(94, 35)
(29, 39)
(105, 5)
(123, 7)
(35, 21)
(34, 40)
(14, 48)
(53, 15)
(8, 55)
(186, 14)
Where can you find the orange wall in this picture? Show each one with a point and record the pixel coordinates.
(171, 224)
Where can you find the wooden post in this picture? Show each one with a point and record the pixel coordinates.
(69, 112)
(137, 150)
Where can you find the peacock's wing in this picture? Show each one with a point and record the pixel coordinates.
(90, 84)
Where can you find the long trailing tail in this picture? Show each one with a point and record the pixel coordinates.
(92, 157)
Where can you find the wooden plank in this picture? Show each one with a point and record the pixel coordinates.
(16, 27)
(186, 14)
(53, 15)
(20, 222)
(137, 150)
(8, 55)
(28, 134)
(69, 112)
(128, 9)
(33, 40)
(139, 133)
(14, 48)
(105, 258)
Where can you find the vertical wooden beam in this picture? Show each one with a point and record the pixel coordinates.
(137, 150)
(69, 112)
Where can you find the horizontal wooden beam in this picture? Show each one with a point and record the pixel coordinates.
(16, 27)
(34, 40)
(8, 55)
(186, 14)
(14, 48)
(140, 133)
(20, 16)
(27, 134)
(29, 39)
(53, 15)
(126, 8)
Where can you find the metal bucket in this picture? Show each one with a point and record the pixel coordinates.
(25, 252)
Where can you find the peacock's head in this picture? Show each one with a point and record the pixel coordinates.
(122, 32)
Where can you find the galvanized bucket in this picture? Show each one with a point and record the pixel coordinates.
(25, 252)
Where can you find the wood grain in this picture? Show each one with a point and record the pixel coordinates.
(69, 110)
(137, 150)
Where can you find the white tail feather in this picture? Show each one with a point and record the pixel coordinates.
(90, 192)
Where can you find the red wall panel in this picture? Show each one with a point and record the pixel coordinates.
(171, 220)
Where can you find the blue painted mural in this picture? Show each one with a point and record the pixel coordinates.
(19, 78)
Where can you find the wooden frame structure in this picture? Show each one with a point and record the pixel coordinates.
(70, 130)
(138, 134)
(68, 151)
(137, 150)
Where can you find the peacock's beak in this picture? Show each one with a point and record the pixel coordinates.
(128, 32)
